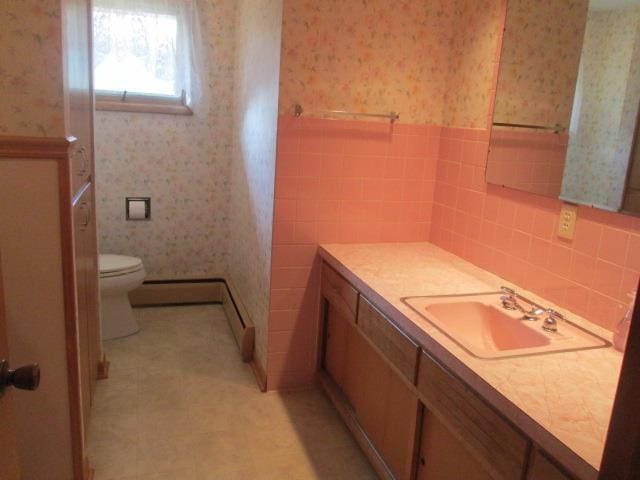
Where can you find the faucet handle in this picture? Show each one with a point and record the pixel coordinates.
(550, 323)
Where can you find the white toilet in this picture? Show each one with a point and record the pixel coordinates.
(119, 275)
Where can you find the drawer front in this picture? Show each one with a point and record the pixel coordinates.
(342, 296)
(494, 442)
(397, 348)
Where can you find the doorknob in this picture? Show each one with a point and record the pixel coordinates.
(24, 378)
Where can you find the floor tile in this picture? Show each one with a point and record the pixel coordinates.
(180, 404)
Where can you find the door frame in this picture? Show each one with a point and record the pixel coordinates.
(10, 467)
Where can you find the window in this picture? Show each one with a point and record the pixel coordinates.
(143, 55)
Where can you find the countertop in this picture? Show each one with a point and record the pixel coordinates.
(563, 401)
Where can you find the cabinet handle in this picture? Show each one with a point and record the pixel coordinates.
(86, 219)
(83, 161)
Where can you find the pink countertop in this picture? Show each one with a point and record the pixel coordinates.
(562, 401)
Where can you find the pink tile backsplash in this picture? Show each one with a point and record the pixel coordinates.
(356, 182)
(512, 234)
(338, 182)
(359, 182)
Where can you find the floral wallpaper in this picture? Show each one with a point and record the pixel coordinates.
(377, 56)
(31, 100)
(252, 173)
(475, 35)
(181, 162)
(606, 109)
(539, 61)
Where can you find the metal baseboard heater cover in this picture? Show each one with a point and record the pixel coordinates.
(201, 291)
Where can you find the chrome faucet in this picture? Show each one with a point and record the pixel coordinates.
(510, 302)
(550, 323)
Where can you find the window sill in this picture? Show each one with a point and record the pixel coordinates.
(150, 106)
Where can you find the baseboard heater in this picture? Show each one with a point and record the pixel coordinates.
(201, 291)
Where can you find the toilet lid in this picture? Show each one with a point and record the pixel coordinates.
(109, 263)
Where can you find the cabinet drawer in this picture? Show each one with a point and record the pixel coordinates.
(342, 296)
(398, 349)
(495, 443)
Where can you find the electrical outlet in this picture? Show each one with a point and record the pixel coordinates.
(567, 224)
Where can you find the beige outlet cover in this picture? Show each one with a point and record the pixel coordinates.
(567, 221)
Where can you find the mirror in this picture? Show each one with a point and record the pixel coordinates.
(567, 99)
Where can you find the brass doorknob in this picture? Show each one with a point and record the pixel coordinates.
(24, 378)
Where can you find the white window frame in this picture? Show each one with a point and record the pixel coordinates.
(115, 101)
(125, 102)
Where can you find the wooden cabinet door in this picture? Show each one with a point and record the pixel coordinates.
(92, 290)
(86, 294)
(540, 468)
(384, 406)
(366, 383)
(336, 330)
(81, 221)
(443, 456)
(400, 422)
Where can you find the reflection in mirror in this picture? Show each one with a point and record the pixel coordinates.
(567, 99)
(632, 193)
(536, 83)
(605, 107)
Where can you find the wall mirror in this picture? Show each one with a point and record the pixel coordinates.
(566, 113)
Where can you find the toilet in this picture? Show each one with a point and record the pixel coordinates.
(119, 275)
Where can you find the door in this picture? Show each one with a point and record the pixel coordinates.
(9, 466)
(26, 378)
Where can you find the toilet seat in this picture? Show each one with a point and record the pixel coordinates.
(111, 265)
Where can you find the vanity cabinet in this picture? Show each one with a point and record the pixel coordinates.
(377, 397)
(414, 419)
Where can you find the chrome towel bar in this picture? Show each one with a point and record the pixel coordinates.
(392, 116)
(555, 129)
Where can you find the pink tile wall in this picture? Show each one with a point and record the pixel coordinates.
(512, 234)
(356, 182)
(338, 182)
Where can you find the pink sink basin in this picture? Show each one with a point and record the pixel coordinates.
(485, 327)
(480, 325)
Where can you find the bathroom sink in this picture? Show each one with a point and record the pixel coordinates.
(480, 325)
